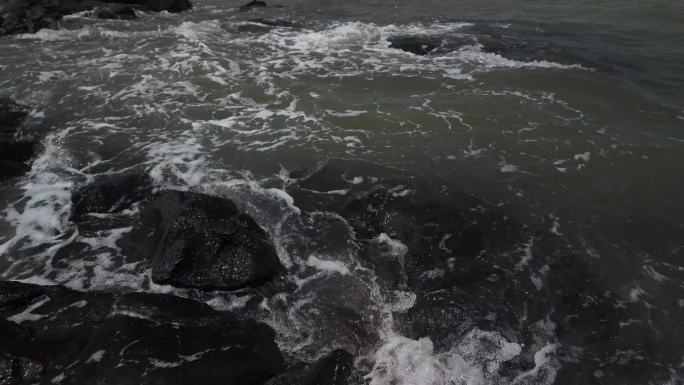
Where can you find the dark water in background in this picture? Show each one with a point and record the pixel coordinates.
(561, 159)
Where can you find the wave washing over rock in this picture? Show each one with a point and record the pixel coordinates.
(339, 193)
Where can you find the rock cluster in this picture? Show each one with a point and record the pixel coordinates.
(29, 16)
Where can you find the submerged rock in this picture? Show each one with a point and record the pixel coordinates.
(51, 334)
(201, 241)
(108, 195)
(15, 156)
(253, 4)
(12, 115)
(333, 369)
(418, 45)
(29, 16)
(414, 227)
(511, 43)
(122, 13)
(173, 6)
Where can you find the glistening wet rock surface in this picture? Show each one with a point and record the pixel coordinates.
(201, 241)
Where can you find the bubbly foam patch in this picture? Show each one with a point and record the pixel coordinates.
(355, 48)
(40, 217)
(475, 360)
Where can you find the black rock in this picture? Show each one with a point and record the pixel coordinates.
(15, 154)
(29, 16)
(196, 240)
(424, 235)
(12, 115)
(156, 5)
(108, 195)
(123, 13)
(418, 45)
(52, 334)
(15, 157)
(424, 45)
(333, 369)
(253, 4)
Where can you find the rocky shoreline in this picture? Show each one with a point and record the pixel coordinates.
(54, 334)
(29, 16)
(307, 277)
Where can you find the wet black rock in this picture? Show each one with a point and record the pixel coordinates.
(108, 195)
(418, 45)
(15, 153)
(29, 16)
(201, 241)
(53, 334)
(122, 13)
(443, 240)
(333, 369)
(253, 4)
(15, 156)
(12, 115)
(454, 250)
(434, 234)
(173, 6)
(515, 43)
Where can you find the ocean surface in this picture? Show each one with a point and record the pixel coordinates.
(470, 216)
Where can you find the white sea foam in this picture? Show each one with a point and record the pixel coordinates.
(41, 216)
(178, 162)
(397, 248)
(27, 314)
(474, 54)
(355, 48)
(474, 360)
(96, 357)
(50, 35)
(196, 31)
(327, 265)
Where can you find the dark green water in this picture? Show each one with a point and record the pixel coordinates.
(575, 133)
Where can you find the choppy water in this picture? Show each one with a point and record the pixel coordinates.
(577, 148)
